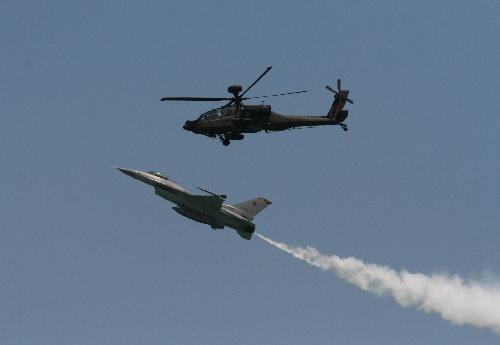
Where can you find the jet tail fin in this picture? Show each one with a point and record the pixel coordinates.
(251, 208)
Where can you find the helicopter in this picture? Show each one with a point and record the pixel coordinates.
(231, 120)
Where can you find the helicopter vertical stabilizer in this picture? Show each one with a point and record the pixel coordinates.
(336, 111)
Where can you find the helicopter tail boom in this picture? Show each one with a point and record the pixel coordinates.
(340, 116)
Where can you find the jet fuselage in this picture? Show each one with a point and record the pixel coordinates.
(207, 209)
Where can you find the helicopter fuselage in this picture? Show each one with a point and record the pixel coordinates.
(235, 118)
(252, 119)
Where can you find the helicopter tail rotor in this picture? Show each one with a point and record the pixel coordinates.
(337, 113)
(339, 93)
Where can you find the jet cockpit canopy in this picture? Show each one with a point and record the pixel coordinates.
(157, 174)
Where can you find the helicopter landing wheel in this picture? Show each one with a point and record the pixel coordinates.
(226, 142)
(344, 127)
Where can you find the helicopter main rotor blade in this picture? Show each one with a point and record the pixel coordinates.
(196, 99)
(257, 80)
(330, 89)
(278, 94)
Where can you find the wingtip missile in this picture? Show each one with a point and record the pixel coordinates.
(222, 196)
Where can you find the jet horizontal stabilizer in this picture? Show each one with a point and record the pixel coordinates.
(244, 234)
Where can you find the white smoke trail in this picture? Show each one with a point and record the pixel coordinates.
(473, 303)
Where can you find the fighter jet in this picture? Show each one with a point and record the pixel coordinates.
(206, 209)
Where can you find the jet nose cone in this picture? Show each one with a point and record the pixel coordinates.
(129, 172)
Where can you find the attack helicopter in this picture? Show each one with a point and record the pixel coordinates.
(230, 121)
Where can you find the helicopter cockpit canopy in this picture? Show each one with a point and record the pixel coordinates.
(157, 174)
(212, 114)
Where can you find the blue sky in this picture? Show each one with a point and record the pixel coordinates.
(89, 256)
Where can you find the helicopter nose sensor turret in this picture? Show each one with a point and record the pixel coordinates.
(188, 125)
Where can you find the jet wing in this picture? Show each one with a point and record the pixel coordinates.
(209, 203)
